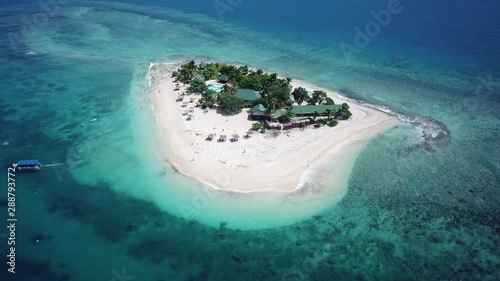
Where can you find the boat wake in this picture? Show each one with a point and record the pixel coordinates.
(53, 165)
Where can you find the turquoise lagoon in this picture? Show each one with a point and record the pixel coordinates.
(410, 202)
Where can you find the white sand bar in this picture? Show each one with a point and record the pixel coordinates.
(262, 162)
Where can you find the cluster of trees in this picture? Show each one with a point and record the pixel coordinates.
(188, 71)
(344, 112)
(329, 122)
(224, 100)
(287, 116)
(275, 91)
(197, 86)
(231, 104)
(317, 97)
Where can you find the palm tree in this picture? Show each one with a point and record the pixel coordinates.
(300, 95)
(328, 113)
(243, 69)
(318, 97)
(187, 72)
(315, 114)
(196, 86)
(270, 111)
(192, 67)
(208, 100)
(288, 116)
(271, 102)
(273, 78)
(210, 71)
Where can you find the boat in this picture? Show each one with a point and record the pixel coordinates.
(23, 165)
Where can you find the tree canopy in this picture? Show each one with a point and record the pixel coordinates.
(208, 99)
(317, 97)
(231, 104)
(275, 92)
(186, 72)
(300, 95)
(196, 86)
(210, 72)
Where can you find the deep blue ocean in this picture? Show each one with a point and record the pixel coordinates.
(423, 200)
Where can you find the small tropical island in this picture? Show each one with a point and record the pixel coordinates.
(241, 129)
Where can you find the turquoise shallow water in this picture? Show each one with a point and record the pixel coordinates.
(410, 204)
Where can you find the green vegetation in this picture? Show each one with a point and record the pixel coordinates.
(333, 123)
(300, 95)
(323, 121)
(230, 104)
(329, 101)
(315, 115)
(210, 72)
(344, 113)
(196, 86)
(281, 101)
(209, 99)
(257, 126)
(287, 116)
(328, 113)
(186, 72)
(317, 98)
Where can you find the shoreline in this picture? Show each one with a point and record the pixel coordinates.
(277, 164)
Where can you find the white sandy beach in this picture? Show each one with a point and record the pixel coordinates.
(264, 161)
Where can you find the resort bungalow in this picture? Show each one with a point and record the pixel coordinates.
(258, 112)
(308, 110)
(223, 79)
(248, 95)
